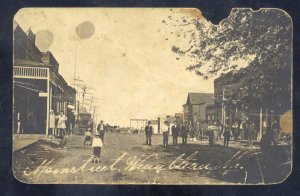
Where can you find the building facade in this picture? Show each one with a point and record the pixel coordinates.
(211, 113)
(222, 89)
(38, 86)
(194, 110)
(228, 107)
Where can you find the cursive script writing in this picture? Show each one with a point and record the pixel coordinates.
(126, 163)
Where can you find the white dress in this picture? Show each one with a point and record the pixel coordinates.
(51, 121)
(61, 122)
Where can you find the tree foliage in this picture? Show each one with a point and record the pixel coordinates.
(261, 38)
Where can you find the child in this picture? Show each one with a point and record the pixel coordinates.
(87, 138)
(97, 144)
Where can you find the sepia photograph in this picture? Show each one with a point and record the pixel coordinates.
(152, 96)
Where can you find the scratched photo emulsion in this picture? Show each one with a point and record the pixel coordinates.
(151, 96)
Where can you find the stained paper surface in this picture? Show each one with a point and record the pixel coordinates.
(129, 66)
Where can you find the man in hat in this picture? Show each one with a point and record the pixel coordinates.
(148, 132)
(175, 133)
(166, 130)
(101, 130)
(227, 136)
(184, 133)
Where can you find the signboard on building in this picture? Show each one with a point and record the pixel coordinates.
(42, 94)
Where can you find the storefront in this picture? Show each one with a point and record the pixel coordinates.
(36, 91)
(37, 86)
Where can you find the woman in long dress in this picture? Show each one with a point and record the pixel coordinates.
(61, 124)
(51, 123)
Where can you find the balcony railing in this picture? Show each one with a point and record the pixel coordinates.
(30, 72)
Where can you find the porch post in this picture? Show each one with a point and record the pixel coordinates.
(48, 100)
(50, 95)
(260, 124)
(223, 109)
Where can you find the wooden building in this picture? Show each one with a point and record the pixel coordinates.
(194, 110)
(37, 85)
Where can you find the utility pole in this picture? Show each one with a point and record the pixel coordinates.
(94, 112)
(91, 105)
(158, 125)
(77, 85)
(260, 123)
(223, 108)
(75, 64)
(83, 94)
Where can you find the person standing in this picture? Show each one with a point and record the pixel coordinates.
(245, 129)
(215, 129)
(251, 131)
(211, 133)
(192, 131)
(61, 124)
(227, 136)
(175, 133)
(180, 125)
(211, 136)
(184, 133)
(276, 130)
(87, 138)
(101, 130)
(218, 127)
(72, 121)
(148, 132)
(52, 124)
(235, 130)
(97, 144)
(166, 131)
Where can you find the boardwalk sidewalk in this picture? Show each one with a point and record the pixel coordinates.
(241, 145)
(23, 140)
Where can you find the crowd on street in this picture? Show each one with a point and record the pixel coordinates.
(213, 133)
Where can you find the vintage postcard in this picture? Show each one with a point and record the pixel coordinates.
(151, 96)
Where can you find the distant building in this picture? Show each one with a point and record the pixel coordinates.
(194, 110)
(179, 117)
(211, 113)
(221, 89)
(38, 86)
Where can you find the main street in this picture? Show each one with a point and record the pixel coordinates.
(126, 160)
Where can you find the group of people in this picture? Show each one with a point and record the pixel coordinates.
(97, 141)
(214, 132)
(60, 125)
(176, 131)
(57, 124)
(245, 131)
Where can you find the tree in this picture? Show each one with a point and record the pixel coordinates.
(261, 38)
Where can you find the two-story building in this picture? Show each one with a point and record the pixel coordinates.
(37, 85)
(222, 89)
(194, 110)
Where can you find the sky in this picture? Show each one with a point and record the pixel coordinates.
(122, 54)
